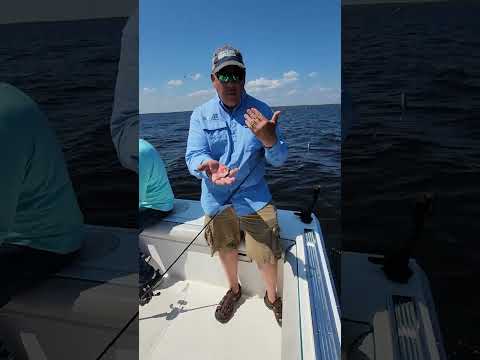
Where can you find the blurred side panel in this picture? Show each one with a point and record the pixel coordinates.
(410, 161)
(75, 65)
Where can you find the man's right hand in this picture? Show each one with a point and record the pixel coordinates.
(218, 173)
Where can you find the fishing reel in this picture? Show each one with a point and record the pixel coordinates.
(145, 295)
(146, 289)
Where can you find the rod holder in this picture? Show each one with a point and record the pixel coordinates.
(306, 214)
(396, 265)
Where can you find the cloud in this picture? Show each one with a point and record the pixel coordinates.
(294, 93)
(312, 74)
(286, 90)
(290, 76)
(165, 100)
(148, 90)
(201, 93)
(262, 84)
(175, 82)
(195, 76)
(323, 95)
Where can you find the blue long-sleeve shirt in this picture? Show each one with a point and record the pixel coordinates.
(219, 134)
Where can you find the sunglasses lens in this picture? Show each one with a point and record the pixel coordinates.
(238, 76)
(223, 78)
(230, 77)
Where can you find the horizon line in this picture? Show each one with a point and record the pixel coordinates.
(276, 106)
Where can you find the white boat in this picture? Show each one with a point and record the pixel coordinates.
(180, 322)
(380, 319)
(99, 296)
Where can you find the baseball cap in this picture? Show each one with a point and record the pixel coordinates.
(226, 55)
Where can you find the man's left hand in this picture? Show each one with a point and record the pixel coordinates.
(263, 128)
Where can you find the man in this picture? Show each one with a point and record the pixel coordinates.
(231, 138)
(41, 226)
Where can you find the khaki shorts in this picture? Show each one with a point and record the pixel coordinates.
(260, 230)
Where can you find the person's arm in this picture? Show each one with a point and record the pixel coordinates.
(198, 150)
(278, 153)
(13, 160)
(125, 118)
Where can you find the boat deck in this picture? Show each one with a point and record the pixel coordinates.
(180, 324)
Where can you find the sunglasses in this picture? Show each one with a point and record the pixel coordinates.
(235, 77)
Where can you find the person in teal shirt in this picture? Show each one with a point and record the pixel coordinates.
(40, 221)
(155, 196)
(38, 208)
(155, 191)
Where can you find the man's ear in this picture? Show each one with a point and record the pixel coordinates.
(212, 77)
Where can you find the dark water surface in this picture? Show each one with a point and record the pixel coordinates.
(430, 52)
(291, 185)
(69, 69)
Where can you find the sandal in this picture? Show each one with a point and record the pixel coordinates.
(276, 307)
(226, 307)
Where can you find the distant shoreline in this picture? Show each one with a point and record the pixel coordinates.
(273, 107)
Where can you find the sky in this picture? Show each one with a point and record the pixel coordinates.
(291, 50)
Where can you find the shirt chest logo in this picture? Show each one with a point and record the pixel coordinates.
(214, 117)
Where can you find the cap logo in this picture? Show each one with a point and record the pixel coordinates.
(225, 53)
